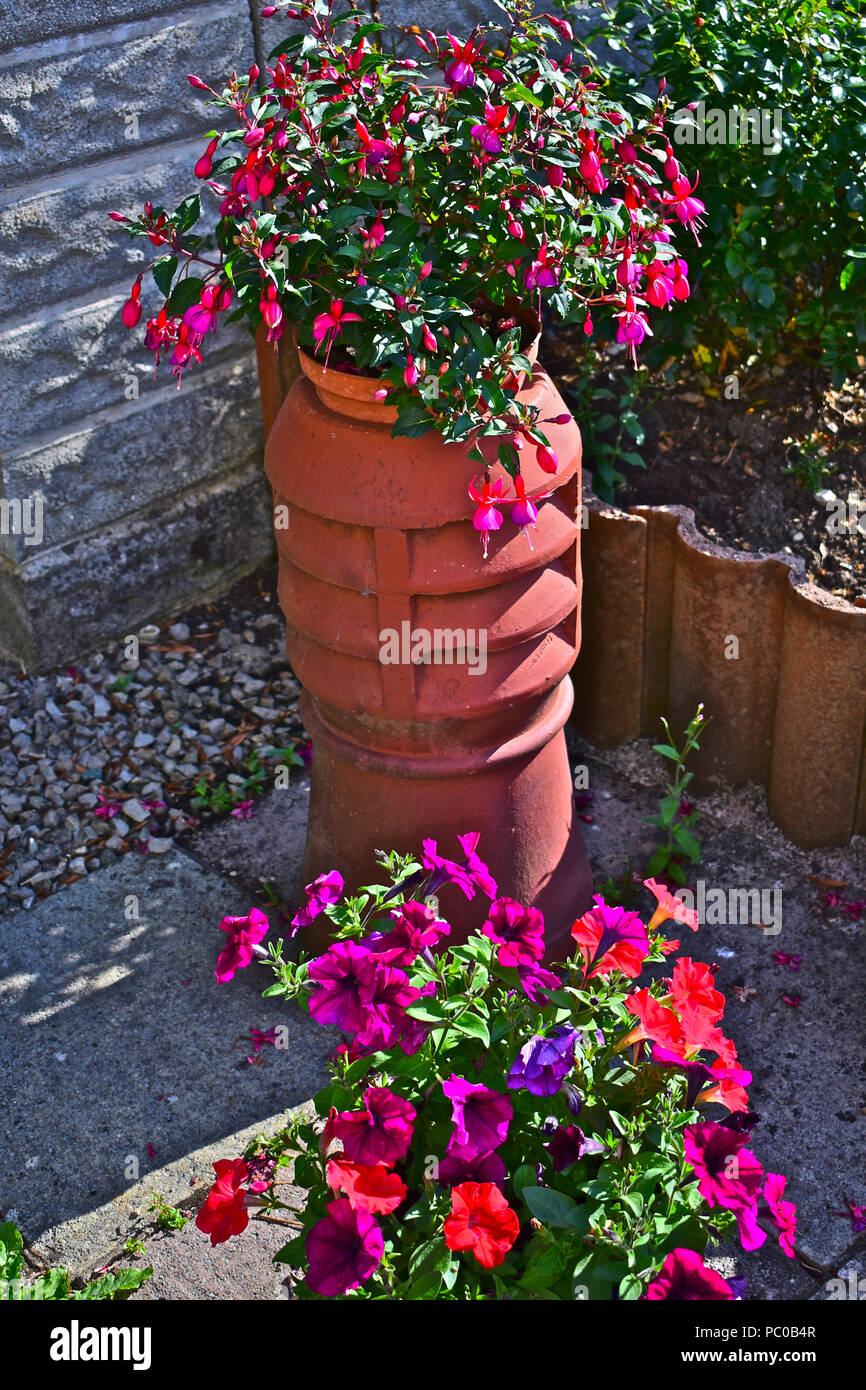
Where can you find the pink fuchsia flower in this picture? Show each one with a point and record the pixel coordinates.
(375, 233)
(224, 1212)
(381, 1132)
(542, 1064)
(524, 512)
(632, 327)
(131, 311)
(460, 71)
(481, 1117)
(684, 205)
(542, 272)
(611, 938)
(670, 907)
(627, 272)
(343, 1250)
(368, 1187)
(517, 930)
(327, 327)
(590, 170)
(373, 152)
(782, 1214)
(272, 313)
(323, 891)
(244, 934)
(728, 1174)
(487, 1167)
(495, 125)
(487, 517)
(685, 1276)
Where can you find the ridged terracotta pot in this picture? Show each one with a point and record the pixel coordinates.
(379, 541)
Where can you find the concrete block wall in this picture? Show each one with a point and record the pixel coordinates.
(151, 496)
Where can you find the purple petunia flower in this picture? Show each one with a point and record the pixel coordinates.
(326, 889)
(343, 1249)
(542, 1064)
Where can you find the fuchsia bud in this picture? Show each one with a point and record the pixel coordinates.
(204, 165)
(131, 312)
(254, 71)
(587, 326)
(429, 339)
(425, 270)
(516, 230)
(197, 82)
(555, 175)
(118, 217)
(268, 11)
(254, 136)
(546, 458)
(410, 372)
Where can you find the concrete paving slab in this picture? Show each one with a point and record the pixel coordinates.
(123, 1056)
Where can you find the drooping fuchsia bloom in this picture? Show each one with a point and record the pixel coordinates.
(626, 272)
(524, 511)
(782, 1214)
(131, 311)
(543, 271)
(517, 930)
(685, 1276)
(204, 165)
(480, 1115)
(244, 934)
(632, 327)
(343, 1249)
(373, 152)
(379, 1133)
(729, 1175)
(460, 71)
(590, 169)
(495, 125)
(326, 889)
(328, 326)
(487, 517)
(685, 206)
(272, 313)
(546, 458)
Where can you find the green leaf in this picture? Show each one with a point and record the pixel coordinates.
(517, 92)
(549, 1206)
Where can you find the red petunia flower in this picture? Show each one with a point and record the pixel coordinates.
(224, 1213)
(369, 1187)
(482, 1222)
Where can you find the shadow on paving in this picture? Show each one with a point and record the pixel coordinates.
(117, 1037)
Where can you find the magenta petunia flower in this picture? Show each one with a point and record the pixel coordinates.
(343, 1249)
(517, 930)
(481, 1117)
(381, 1132)
(346, 976)
(537, 983)
(487, 1167)
(326, 889)
(416, 928)
(782, 1214)
(685, 1276)
(468, 876)
(244, 934)
(729, 1175)
(698, 1074)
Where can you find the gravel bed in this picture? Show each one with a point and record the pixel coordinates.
(105, 758)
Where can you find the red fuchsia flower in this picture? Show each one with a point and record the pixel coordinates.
(627, 272)
(542, 1064)
(517, 930)
(224, 1212)
(728, 1174)
(373, 152)
(416, 928)
(131, 311)
(524, 512)
(670, 907)
(375, 233)
(460, 71)
(482, 1222)
(473, 873)
(487, 517)
(611, 938)
(692, 986)
(381, 1132)
(782, 1214)
(481, 1117)
(542, 272)
(686, 208)
(487, 1167)
(323, 891)
(495, 125)
(327, 327)
(632, 327)
(659, 284)
(244, 935)
(590, 169)
(555, 175)
(685, 1276)
(369, 1187)
(343, 1250)
(272, 313)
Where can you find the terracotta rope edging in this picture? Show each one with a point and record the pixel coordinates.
(671, 619)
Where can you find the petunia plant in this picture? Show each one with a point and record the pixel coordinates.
(414, 218)
(497, 1126)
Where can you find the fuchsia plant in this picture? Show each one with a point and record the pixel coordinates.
(413, 219)
(497, 1127)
